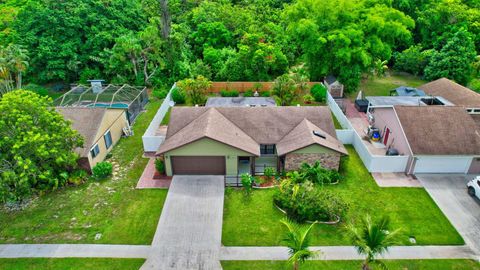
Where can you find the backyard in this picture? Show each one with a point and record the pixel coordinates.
(374, 86)
(410, 209)
(354, 265)
(111, 210)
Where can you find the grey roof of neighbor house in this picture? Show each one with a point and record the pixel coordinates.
(402, 100)
(439, 130)
(452, 91)
(330, 79)
(240, 101)
(86, 121)
(409, 91)
(246, 128)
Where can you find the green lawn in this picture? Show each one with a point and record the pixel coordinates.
(113, 207)
(382, 86)
(255, 221)
(355, 265)
(70, 264)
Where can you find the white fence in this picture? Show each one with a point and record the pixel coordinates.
(152, 141)
(348, 135)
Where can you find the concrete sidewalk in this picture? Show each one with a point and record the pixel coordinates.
(348, 253)
(73, 251)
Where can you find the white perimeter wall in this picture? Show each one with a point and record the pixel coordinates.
(442, 164)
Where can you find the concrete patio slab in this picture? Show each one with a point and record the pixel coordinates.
(395, 180)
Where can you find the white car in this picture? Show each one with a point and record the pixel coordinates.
(474, 187)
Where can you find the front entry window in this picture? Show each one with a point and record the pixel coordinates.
(267, 149)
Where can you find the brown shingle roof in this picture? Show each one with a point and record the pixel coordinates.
(263, 125)
(453, 92)
(86, 121)
(302, 136)
(439, 130)
(211, 124)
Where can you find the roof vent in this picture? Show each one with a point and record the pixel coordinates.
(318, 134)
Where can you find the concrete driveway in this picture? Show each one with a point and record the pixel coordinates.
(190, 228)
(450, 194)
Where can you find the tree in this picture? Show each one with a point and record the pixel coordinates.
(372, 238)
(284, 89)
(297, 240)
(412, 60)
(300, 76)
(17, 58)
(344, 37)
(195, 89)
(454, 60)
(37, 146)
(380, 68)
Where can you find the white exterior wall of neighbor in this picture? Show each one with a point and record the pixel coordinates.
(442, 164)
(152, 141)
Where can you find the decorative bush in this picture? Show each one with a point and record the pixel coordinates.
(160, 93)
(178, 96)
(305, 202)
(319, 92)
(308, 99)
(316, 174)
(77, 177)
(269, 172)
(265, 94)
(247, 181)
(102, 170)
(227, 93)
(248, 93)
(160, 166)
(195, 89)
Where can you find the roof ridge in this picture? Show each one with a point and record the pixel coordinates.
(230, 121)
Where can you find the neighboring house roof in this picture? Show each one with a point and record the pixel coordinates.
(303, 135)
(454, 92)
(211, 124)
(243, 127)
(86, 121)
(439, 130)
(240, 101)
(330, 79)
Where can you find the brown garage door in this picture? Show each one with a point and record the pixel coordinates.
(198, 165)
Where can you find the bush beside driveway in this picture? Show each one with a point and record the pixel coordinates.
(254, 221)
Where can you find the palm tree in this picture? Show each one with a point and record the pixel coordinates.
(297, 240)
(17, 61)
(372, 239)
(284, 89)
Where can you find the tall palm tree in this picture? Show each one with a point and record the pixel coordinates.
(297, 240)
(17, 58)
(373, 238)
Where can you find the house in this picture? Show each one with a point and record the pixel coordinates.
(235, 140)
(240, 102)
(334, 87)
(101, 129)
(453, 92)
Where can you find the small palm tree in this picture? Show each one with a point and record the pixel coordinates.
(373, 238)
(297, 240)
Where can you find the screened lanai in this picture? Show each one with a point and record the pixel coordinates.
(131, 98)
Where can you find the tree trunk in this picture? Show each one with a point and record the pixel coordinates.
(134, 63)
(295, 265)
(19, 80)
(165, 19)
(365, 266)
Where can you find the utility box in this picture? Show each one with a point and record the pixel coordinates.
(96, 85)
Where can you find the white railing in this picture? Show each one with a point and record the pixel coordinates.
(152, 141)
(348, 135)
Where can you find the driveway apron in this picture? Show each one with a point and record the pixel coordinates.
(463, 211)
(189, 232)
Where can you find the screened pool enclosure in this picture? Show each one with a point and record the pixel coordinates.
(131, 98)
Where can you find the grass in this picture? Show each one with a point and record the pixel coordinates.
(382, 86)
(70, 264)
(166, 118)
(254, 221)
(336, 123)
(355, 265)
(113, 207)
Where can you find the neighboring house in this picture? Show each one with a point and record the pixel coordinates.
(334, 87)
(235, 140)
(240, 102)
(101, 129)
(455, 93)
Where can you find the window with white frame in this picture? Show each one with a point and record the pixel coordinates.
(108, 139)
(95, 151)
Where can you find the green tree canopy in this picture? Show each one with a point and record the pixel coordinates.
(36, 146)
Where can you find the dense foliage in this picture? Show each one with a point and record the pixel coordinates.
(157, 42)
(36, 149)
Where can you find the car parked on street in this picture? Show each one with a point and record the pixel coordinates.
(474, 187)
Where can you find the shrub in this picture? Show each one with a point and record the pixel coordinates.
(269, 172)
(475, 85)
(160, 166)
(248, 93)
(305, 202)
(195, 89)
(319, 92)
(40, 90)
(265, 94)
(247, 181)
(227, 93)
(317, 174)
(178, 96)
(308, 99)
(77, 177)
(102, 170)
(160, 93)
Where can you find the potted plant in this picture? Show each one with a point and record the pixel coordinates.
(159, 168)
